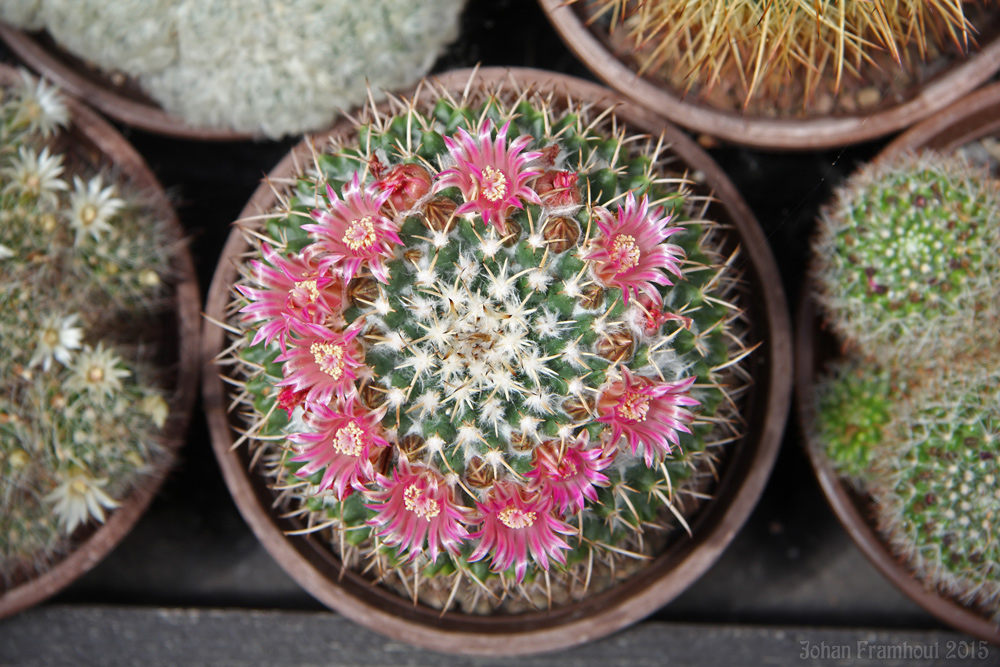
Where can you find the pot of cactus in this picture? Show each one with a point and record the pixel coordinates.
(501, 367)
(221, 70)
(100, 315)
(899, 391)
(786, 75)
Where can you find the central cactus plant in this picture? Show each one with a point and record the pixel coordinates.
(488, 348)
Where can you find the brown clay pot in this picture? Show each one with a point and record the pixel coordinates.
(740, 485)
(91, 139)
(768, 133)
(123, 101)
(973, 118)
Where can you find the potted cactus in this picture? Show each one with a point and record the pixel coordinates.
(905, 268)
(99, 313)
(224, 70)
(786, 75)
(491, 358)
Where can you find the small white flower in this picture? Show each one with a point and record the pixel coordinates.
(96, 372)
(91, 208)
(55, 340)
(78, 498)
(35, 175)
(156, 408)
(40, 106)
(5, 252)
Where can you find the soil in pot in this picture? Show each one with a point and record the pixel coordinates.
(513, 371)
(100, 313)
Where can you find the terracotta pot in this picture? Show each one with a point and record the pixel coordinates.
(741, 483)
(93, 140)
(594, 50)
(974, 117)
(123, 101)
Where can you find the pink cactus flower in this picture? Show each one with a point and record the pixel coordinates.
(558, 188)
(490, 174)
(353, 232)
(406, 185)
(653, 316)
(630, 253)
(320, 362)
(648, 412)
(290, 289)
(568, 472)
(516, 521)
(416, 510)
(340, 442)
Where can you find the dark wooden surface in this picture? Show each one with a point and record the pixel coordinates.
(791, 574)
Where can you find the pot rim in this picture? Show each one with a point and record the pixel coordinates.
(972, 118)
(602, 613)
(767, 133)
(107, 143)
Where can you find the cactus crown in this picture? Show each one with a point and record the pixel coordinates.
(907, 256)
(495, 334)
(80, 262)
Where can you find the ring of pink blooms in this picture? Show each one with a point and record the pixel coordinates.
(415, 511)
(320, 362)
(630, 253)
(514, 526)
(290, 289)
(647, 412)
(352, 232)
(339, 443)
(490, 173)
(569, 472)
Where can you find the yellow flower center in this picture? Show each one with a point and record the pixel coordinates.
(360, 234)
(50, 337)
(88, 214)
(417, 502)
(79, 486)
(95, 374)
(625, 252)
(309, 288)
(566, 469)
(515, 518)
(634, 407)
(349, 440)
(329, 357)
(494, 184)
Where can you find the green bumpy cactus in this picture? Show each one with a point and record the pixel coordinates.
(470, 358)
(906, 259)
(907, 266)
(855, 403)
(937, 487)
(81, 261)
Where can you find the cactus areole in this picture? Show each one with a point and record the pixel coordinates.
(486, 349)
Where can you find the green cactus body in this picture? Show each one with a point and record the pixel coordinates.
(937, 486)
(906, 258)
(473, 459)
(906, 266)
(80, 417)
(855, 403)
